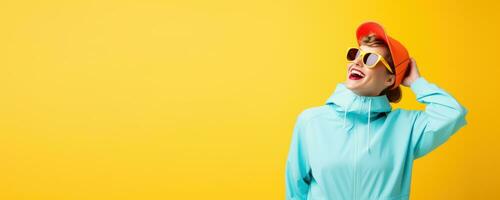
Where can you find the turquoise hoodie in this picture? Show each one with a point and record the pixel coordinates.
(357, 147)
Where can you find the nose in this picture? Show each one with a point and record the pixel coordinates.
(358, 61)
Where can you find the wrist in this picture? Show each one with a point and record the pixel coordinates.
(413, 79)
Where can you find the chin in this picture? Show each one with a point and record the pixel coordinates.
(360, 87)
(354, 84)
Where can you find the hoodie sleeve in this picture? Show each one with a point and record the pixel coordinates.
(297, 172)
(443, 116)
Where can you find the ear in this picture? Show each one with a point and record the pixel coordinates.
(391, 78)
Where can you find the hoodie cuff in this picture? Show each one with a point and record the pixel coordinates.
(420, 86)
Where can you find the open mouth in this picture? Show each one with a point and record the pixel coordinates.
(355, 74)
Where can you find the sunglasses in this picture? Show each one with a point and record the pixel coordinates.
(370, 59)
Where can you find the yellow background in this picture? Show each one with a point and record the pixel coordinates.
(197, 99)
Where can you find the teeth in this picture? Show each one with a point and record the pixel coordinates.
(357, 72)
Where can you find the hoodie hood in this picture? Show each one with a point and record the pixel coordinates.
(356, 106)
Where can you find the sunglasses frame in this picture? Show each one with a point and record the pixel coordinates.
(363, 53)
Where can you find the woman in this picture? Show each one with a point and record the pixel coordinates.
(355, 146)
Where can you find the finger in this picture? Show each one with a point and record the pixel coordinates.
(413, 62)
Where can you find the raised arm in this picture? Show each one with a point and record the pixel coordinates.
(443, 115)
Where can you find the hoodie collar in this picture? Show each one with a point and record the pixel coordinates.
(349, 102)
(345, 98)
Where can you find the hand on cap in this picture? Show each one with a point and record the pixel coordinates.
(413, 74)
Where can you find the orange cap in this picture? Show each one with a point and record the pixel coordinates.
(400, 56)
